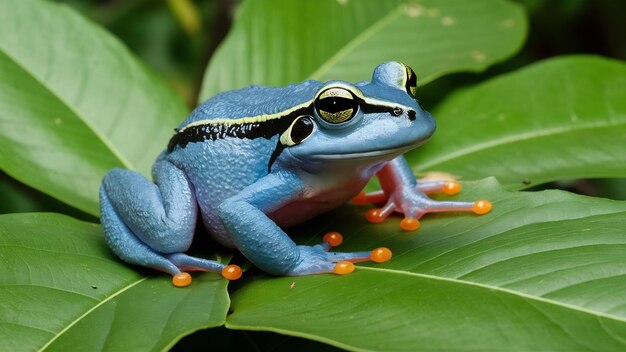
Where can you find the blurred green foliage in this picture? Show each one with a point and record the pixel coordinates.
(179, 46)
(175, 37)
(556, 27)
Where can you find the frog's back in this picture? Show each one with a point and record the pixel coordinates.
(252, 101)
(231, 140)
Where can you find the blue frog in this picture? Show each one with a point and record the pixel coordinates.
(255, 160)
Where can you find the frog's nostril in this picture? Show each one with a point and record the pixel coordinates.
(412, 115)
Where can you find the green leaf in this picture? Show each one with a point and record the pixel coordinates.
(61, 289)
(557, 119)
(75, 103)
(281, 42)
(543, 271)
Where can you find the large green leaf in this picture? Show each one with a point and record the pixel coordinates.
(280, 42)
(544, 271)
(557, 119)
(61, 289)
(75, 103)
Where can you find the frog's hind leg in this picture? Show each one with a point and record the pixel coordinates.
(151, 224)
(126, 245)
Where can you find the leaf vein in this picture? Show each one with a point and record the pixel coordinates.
(499, 289)
(104, 301)
(497, 142)
(355, 42)
(125, 162)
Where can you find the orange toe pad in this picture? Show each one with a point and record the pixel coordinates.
(181, 279)
(232, 272)
(343, 268)
(380, 255)
(333, 238)
(373, 216)
(481, 207)
(451, 188)
(409, 224)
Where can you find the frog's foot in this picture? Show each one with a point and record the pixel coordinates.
(316, 259)
(179, 264)
(131, 249)
(186, 263)
(415, 205)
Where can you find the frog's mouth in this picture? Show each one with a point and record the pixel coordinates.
(373, 154)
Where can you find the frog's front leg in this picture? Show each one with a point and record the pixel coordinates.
(268, 246)
(152, 224)
(402, 193)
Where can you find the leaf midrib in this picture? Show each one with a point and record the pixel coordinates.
(337, 343)
(510, 139)
(125, 162)
(499, 289)
(78, 319)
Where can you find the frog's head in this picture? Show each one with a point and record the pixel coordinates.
(366, 123)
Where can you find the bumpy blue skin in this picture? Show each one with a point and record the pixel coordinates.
(244, 206)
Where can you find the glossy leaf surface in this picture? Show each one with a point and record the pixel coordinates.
(557, 119)
(543, 271)
(62, 289)
(75, 103)
(330, 39)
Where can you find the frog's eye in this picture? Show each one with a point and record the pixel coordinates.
(298, 131)
(336, 105)
(411, 81)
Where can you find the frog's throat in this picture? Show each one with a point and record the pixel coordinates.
(372, 154)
